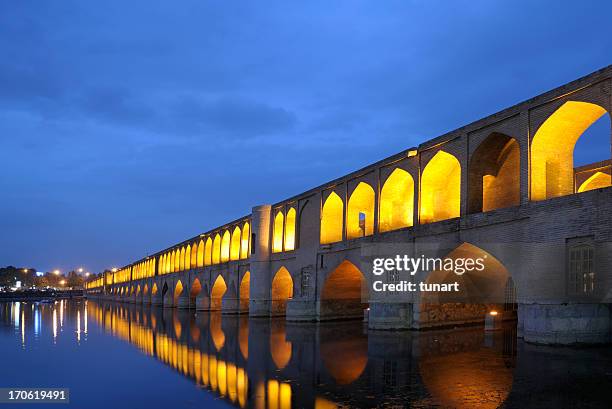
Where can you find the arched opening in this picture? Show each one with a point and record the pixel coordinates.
(282, 290)
(178, 290)
(216, 249)
(332, 219)
(194, 255)
(225, 247)
(168, 263)
(397, 201)
(164, 289)
(188, 257)
(552, 148)
(200, 255)
(596, 181)
(196, 288)
(172, 258)
(138, 290)
(277, 233)
(494, 179)
(290, 230)
(360, 212)
(440, 188)
(208, 252)
(341, 296)
(154, 289)
(481, 289)
(235, 244)
(182, 259)
(145, 290)
(280, 348)
(216, 295)
(244, 246)
(245, 285)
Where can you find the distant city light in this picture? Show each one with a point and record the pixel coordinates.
(62, 282)
(87, 274)
(18, 284)
(25, 270)
(40, 273)
(80, 269)
(56, 272)
(114, 270)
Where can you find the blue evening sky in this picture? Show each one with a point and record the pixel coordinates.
(128, 126)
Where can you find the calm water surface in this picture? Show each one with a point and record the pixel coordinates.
(125, 356)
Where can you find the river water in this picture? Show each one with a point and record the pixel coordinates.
(125, 356)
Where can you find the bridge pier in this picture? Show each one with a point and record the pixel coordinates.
(183, 302)
(566, 324)
(202, 302)
(156, 299)
(168, 300)
(385, 316)
(230, 305)
(301, 310)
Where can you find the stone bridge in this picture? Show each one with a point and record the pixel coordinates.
(504, 188)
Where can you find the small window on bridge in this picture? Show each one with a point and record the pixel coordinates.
(581, 273)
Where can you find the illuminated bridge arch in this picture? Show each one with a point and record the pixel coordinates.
(217, 292)
(360, 212)
(332, 219)
(552, 148)
(341, 296)
(225, 246)
(281, 291)
(596, 181)
(397, 201)
(440, 188)
(494, 174)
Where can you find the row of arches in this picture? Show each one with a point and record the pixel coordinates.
(283, 232)
(229, 245)
(494, 179)
(144, 269)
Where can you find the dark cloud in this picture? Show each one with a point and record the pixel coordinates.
(127, 127)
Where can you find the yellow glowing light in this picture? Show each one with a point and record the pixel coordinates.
(360, 212)
(235, 244)
(244, 246)
(552, 148)
(290, 230)
(56, 272)
(62, 282)
(200, 254)
(332, 219)
(244, 290)
(225, 247)
(493, 313)
(208, 251)
(596, 181)
(216, 249)
(440, 188)
(277, 233)
(218, 290)
(397, 201)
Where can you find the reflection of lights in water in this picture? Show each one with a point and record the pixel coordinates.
(61, 314)
(85, 318)
(36, 322)
(16, 313)
(476, 378)
(78, 326)
(345, 359)
(54, 324)
(279, 395)
(23, 328)
(322, 403)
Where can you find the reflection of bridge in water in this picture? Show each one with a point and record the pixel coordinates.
(269, 363)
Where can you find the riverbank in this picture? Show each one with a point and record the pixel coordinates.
(35, 295)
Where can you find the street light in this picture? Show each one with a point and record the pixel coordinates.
(87, 274)
(80, 269)
(62, 282)
(114, 270)
(56, 272)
